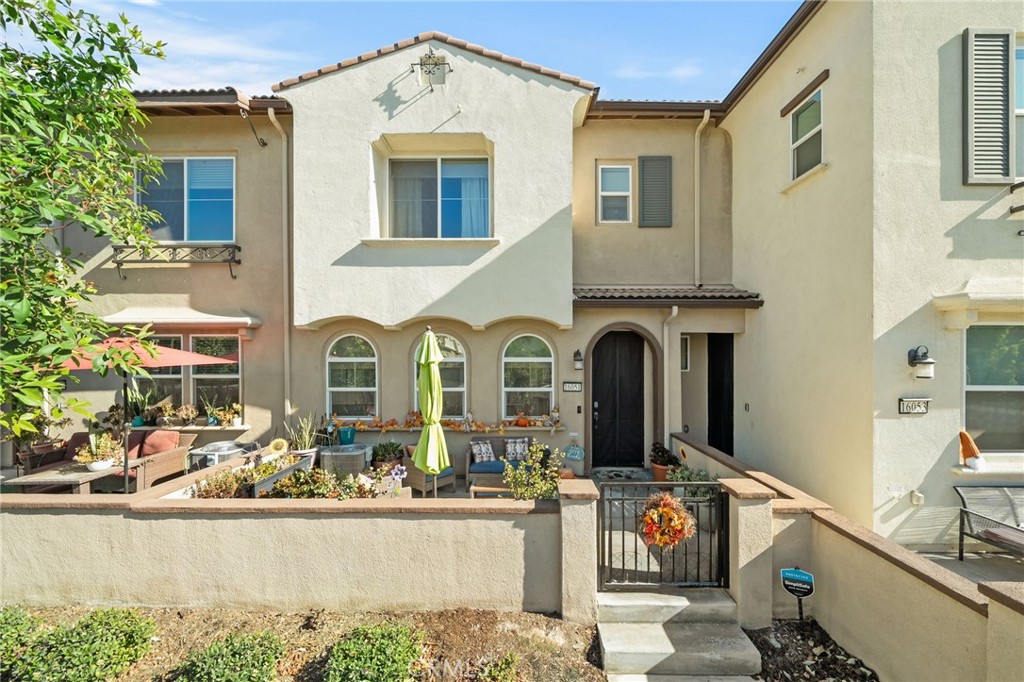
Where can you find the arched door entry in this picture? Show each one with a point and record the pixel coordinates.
(617, 400)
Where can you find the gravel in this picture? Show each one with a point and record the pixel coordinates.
(791, 651)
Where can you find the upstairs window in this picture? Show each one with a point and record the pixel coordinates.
(440, 198)
(805, 136)
(453, 378)
(1019, 106)
(352, 378)
(196, 199)
(615, 194)
(994, 391)
(528, 369)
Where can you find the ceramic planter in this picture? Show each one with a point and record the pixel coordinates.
(101, 465)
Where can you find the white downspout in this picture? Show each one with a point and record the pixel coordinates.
(667, 375)
(696, 198)
(286, 327)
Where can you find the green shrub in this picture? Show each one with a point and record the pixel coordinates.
(504, 669)
(236, 658)
(303, 484)
(17, 630)
(101, 645)
(536, 477)
(684, 474)
(381, 653)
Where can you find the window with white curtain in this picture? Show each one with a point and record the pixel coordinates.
(352, 378)
(528, 369)
(195, 198)
(453, 378)
(440, 198)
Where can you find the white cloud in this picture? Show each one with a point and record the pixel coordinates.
(681, 71)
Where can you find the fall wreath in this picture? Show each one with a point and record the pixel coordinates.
(666, 522)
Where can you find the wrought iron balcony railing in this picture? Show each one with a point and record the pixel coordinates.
(179, 253)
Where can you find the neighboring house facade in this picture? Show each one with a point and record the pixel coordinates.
(749, 272)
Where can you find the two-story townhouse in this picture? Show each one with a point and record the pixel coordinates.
(600, 256)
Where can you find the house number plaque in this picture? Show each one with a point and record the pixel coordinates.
(572, 387)
(914, 405)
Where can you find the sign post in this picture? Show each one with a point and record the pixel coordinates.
(798, 583)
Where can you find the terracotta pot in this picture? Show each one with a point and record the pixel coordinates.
(660, 472)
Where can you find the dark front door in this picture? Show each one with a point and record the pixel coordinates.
(720, 392)
(617, 412)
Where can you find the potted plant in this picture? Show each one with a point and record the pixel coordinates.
(165, 412)
(387, 454)
(303, 436)
(685, 474)
(211, 412)
(138, 405)
(662, 459)
(236, 414)
(187, 414)
(100, 452)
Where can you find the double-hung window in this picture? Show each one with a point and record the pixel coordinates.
(805, 136)
(994, 386)
(440, 198)
(615, 193)
(216, 385)
(453, 378)
(352, 378)
(528, 369)
(164, 382)
(195, 198)
(1019, 105)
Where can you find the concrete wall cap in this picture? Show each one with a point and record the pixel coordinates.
(1009, 594)
(746, 489)
(578, 489)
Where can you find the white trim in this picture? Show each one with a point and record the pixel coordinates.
(550, 359)
(409, 156)
(601, 194)
(980, 388)
(328, 359)
(796, 144)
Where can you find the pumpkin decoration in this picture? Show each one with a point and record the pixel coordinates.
(522, 420)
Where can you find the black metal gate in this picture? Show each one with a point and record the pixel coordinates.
(626, 563)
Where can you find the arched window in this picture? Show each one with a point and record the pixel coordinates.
(352, 378)
(453, 378)
(527, 370)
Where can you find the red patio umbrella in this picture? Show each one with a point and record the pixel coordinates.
(165, 357)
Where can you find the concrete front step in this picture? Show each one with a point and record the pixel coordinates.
(680, 678)
(704, 605)
(702, 649)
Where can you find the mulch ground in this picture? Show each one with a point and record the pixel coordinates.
(549, 649)
(791, 651)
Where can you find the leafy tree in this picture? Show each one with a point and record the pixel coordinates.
(69, 153)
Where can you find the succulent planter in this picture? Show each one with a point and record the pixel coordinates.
(265, 484)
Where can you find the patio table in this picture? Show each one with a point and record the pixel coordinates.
(75, 475)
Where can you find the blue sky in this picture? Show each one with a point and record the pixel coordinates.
(637, 50)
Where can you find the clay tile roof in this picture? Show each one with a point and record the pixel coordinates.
(440, 37)
(687, 296)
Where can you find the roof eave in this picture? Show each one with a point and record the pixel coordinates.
(749, 303)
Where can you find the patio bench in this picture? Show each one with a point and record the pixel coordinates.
(489, 473)
(994, 515)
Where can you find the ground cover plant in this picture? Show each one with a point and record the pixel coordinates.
(384, 653)
(18, 629)
(236, 658)
(100, 646)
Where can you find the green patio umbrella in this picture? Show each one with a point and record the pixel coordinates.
(431, 454)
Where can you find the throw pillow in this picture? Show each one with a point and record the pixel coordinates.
(482, 451)
(516, 448)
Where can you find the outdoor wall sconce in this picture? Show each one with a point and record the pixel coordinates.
(577, 359)
(924, 366)
(434, 69)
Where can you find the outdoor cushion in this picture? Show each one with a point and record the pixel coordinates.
(444, 472)
(516, 448)
(495, 467)
(159, 441)
(135, 439)
(482, 451)
(77, 440)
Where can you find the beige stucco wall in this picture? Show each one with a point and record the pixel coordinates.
(904, 628)
(805, 363)
(1005, 643)
(931, 234)
(527, 119)
(282, 562)
(627, 254)
(258, 290)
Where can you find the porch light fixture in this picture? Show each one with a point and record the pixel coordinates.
(924, 366)
(577, 359)
(433, 68)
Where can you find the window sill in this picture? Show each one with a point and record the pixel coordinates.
(483, 241)
(996, 465)
(813, 173)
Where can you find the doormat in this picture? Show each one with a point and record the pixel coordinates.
(620, 474)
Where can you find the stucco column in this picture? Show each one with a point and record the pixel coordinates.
(750, 550)
(578, 500)
(1005, 637)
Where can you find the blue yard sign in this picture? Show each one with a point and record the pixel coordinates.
(798, 583)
